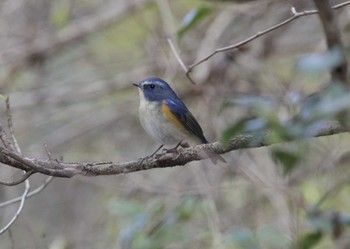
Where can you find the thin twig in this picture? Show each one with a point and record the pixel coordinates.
(30, 194)
(340, 5)
(178, 58)
(295, 15)
(260, 33)
(182, 64)
(19, 210)
(24, 177)
(48, 153)
(10, 125)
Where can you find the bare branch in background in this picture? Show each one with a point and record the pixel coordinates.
(19, 210)
(295, 15)
(333, 38)
(178, 58)
(182, 64)
(78, 103)
(74, 32)
(30, 194)
(26, 173)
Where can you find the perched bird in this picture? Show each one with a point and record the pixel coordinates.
(166, 118)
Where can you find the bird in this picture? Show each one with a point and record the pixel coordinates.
(166, 118)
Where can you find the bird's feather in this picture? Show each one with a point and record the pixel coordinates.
(183, 116)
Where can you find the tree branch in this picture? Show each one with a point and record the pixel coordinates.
(178, 58)
(30, 194)
(295, 15)
(12, 146)
(19, 210)
(10, 126)
(24, 177)
(5, 139)
(333, 38)
(186, 155)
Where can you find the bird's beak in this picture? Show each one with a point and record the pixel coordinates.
(137, 85)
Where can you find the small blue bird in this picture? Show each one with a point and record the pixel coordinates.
(166, 118)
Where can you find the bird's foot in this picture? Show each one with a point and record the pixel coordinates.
(175, 150)
(150, 156)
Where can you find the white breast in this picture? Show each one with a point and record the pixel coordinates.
(156, 125)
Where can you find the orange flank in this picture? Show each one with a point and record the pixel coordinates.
(171, 117)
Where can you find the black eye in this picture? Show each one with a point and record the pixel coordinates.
(152, 86)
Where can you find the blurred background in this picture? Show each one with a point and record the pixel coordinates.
(68, 66)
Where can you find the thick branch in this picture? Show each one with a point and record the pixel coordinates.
(67, 169)
(333, 38)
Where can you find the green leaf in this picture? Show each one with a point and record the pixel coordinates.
(192, 18)
(186, 209)
(287, 158)
(233, 130)
(309, 240)
(142, 241)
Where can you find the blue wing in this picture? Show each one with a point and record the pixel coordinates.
(178, 108)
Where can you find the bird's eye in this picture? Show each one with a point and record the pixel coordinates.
(152, 86)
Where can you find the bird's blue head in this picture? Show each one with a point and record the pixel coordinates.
(155, 89)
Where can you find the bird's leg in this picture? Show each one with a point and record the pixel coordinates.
(185, 145)
(156, 150)
(150, 156)
(173, 150)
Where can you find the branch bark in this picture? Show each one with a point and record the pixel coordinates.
(69, 169)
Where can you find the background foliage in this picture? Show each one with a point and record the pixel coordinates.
(76, 96)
